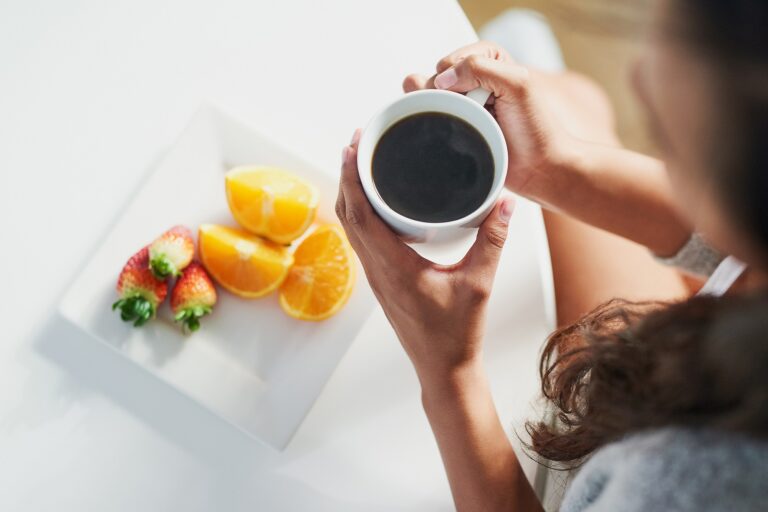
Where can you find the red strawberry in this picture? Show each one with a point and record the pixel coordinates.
(140, 291)
(171, 252)
(193, 297)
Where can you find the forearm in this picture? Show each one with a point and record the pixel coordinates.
(483, 469)
(618, 190)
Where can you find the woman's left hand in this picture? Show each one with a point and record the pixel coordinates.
(437, 311)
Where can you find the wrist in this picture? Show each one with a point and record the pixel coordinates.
(550, 183)
(443, 385)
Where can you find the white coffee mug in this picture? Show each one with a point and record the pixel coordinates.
(471, 109)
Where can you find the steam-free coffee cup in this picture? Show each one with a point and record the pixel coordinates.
(433, 164)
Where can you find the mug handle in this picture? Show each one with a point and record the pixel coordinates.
(479, 95)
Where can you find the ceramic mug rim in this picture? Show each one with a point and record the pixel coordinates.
(500, 168)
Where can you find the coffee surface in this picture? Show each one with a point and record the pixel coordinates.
(433, 167)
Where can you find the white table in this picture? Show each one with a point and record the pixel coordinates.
(91, 94)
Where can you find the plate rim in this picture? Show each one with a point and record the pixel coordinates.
(215, 114)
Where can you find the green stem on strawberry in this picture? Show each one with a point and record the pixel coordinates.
(135, 309)
(162, 267)
(190, 317)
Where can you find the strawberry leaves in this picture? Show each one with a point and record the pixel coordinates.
(190, 317)
(135, 309)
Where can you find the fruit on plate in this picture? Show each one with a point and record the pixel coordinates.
(322, 277)
(193, 297)
(140, 292)
(271, 202)
(241, 262)
(171, 252)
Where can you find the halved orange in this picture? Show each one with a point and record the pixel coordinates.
(241, 262)
(322, 277)
(271, 202)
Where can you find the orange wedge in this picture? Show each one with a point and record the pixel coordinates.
(241, 262)
(322, 277)
(271, 202)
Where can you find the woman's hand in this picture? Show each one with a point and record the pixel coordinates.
(563, 150)
(438, 312)
(536, 139)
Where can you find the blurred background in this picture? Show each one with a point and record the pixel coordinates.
(599, 38)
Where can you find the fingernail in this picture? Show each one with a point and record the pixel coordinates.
(355, 137)
(446, 79)
(344, 154)
(507, 207)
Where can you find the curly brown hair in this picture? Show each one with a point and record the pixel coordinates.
(627, 367)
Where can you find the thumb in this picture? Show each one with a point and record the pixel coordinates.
(503, 79)
(483, 256)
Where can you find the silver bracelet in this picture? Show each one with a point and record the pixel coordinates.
(695, 257)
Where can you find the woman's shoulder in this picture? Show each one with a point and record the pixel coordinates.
(675, 470)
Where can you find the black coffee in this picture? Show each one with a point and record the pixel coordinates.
(433, 167)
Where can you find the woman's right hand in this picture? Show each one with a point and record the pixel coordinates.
(536, 141)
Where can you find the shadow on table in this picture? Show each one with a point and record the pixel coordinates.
(238, 461)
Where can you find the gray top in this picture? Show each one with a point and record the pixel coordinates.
(673, 470)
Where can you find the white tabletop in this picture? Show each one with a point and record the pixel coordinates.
(91, 93)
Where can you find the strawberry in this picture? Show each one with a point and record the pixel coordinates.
(139, 290)
(171, 252)
(193, 296)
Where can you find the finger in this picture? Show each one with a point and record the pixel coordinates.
(359, 219)
(482, 259)
(503, 79)
(355, 138)
(357, 245)
(341, 202)
(418, 82)
(414, 82)
(354, 241)
(341, 212)
(480, 48)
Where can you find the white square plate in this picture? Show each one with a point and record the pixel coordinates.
(249, 363)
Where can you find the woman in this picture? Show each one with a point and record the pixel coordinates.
(666, 405)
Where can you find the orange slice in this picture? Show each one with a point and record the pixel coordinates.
(271, 202)
(322, 277)
(241, 262)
